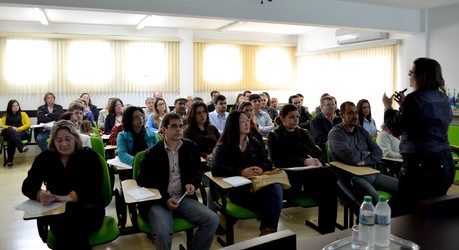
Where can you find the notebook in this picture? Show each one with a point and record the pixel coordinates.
(237, 181)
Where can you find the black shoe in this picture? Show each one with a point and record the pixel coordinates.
(25, 149)
(10, 164)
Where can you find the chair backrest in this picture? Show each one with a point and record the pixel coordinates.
(327, 153)
(136, 164)
(453, 135)
(96, 131)
(107, 186)
(97, 145)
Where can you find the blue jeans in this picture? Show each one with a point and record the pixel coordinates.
(41, 139)
(161, 221)
(266, 202)
(368, 184)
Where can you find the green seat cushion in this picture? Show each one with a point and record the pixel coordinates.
(385, 194)
(108, 232)
(237, 211)
(180, 225)
(305, 202)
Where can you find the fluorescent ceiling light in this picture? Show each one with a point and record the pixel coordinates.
(347, 37)
(143, 22)
(229, 26)
(41, 16)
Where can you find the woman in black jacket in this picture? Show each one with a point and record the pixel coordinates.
(239, 154)
(422, 122)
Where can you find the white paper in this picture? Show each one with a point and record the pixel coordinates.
(117, 163)
(181, 198)
(301, 168)
(140, 193)
(237, 181)
(33, 207)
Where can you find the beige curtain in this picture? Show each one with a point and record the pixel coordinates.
(81, 65)
(235, 67)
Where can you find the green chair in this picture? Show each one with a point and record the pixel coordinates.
(98, 146)
(227, 208)
(109, 230)
(180, 224)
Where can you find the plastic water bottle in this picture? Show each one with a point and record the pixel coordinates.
(382, 227)
(367, 222)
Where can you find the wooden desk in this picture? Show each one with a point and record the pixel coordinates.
(353, 169)
(56, 211)
(392, 159)
(218, 180)
(128, 185)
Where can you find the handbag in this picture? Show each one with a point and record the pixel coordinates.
(268, 178)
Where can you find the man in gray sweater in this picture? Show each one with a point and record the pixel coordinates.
(351, 144)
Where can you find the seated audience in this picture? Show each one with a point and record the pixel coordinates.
(210, 104)
(389, 144)
(180, 108)
(72, 174)
(159, 111)
(351, 144)
(246, 95)
(172, 167)
(305, 116)
(200, 131)
(16, 126)
(247, 109)
(365, 120)
(239, 100)
(219, 115)
(292, 146)
(117, 129)
(238, 154)
(275, 103)
(92, 107)
(149, 106)
(263, 120)
(49, 112)
(69, 116)
(265, 105)
(103, 115)
(115, 115)
(324, 122)
(135, 137)
(189, 100)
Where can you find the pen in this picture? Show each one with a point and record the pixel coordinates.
(181, 198)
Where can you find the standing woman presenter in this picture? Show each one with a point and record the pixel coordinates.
(422, 122)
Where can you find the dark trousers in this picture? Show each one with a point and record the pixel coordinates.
(74, 226)
(321, 184)
(424, 175)
(14, 140)
(266, 202)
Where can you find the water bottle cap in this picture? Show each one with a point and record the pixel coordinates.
(382, 198)
(367, 198)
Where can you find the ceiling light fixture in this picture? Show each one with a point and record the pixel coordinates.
(41, 16)
(143, 22)
(229, 26)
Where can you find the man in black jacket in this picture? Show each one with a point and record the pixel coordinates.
(173, 167)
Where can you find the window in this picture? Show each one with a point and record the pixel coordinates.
(146, 62)
(27, 62)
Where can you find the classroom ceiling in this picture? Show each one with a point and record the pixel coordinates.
(10, 13)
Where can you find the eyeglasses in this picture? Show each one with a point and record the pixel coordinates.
(410, 72)
(258, 100)
(175, 126)
(138, 117)
(244, 120)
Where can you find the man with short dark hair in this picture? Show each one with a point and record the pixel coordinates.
(180, 107)
(219, 115)
(210, 105)
(173, 167)
(263, 120)
(324, 122)
(351, 144)
(246, 95)
(305, 116)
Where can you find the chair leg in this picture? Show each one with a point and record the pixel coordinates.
(229, 232)
(120, 208)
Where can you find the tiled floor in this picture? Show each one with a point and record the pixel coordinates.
(16, 233)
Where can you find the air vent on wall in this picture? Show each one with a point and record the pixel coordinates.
(344, 36)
